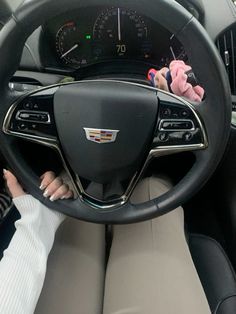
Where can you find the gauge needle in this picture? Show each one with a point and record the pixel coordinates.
(119, 27)
(69, 51)
(172, 52)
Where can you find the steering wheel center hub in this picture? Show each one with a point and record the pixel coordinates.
(105, 128)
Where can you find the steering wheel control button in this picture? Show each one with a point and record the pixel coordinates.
(23, 115)
(22, 126)
(184, 113)
(28, 106)
(163, 137)
(44, 117)
(187, 136)
(39, 117)
(166, 112)
(176, 125)
(36, 107)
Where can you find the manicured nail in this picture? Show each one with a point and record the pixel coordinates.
(63, 197)
(45, 194)
(42, 187)
(52, 198)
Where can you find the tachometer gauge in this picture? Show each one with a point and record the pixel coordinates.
(71, 45)
(120, 32)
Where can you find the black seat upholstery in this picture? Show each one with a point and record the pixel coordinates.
(216, 273)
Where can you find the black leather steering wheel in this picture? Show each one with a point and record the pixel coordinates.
(134, 122)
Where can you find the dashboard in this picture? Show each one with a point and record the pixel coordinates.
(103, 34)
(114, 42)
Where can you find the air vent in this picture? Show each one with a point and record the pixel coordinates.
(22, 84)
(226, 44)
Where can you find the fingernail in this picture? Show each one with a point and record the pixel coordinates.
(4, 171)
(42, 187)
(63, 197)
(45, 194)
(52, 198)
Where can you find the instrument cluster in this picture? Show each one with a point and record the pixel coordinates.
(100, 34)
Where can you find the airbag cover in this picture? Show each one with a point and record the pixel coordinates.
(105, 105)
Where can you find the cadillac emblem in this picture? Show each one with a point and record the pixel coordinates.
(101, 136)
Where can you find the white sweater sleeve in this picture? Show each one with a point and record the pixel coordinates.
(23, 266)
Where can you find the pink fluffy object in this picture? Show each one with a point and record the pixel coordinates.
(180, 86)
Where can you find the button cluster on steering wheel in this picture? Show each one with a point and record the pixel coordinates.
(34, 116)
(177, 125)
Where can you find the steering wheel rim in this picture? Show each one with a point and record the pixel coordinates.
(217, 104)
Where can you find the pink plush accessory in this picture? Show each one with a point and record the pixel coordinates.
(180, 86)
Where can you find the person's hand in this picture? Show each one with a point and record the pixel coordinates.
(54, 188)
(13, 185)
(180, 85)
(160, 79)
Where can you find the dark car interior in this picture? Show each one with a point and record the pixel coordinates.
(77, 46)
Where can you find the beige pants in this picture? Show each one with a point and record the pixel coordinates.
(150, 269)
(75, 276)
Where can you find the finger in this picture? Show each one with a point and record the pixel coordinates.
(164, 71)
(161, 81)
(70, 194)
(199, 91)
(13, 185)
(52, 187)
(60, 193)
(47, 178)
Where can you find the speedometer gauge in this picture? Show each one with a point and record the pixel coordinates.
(120, 32)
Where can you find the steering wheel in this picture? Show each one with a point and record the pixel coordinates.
(107, 131)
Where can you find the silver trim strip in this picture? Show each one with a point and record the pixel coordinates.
(176, 120)
(33, 113)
